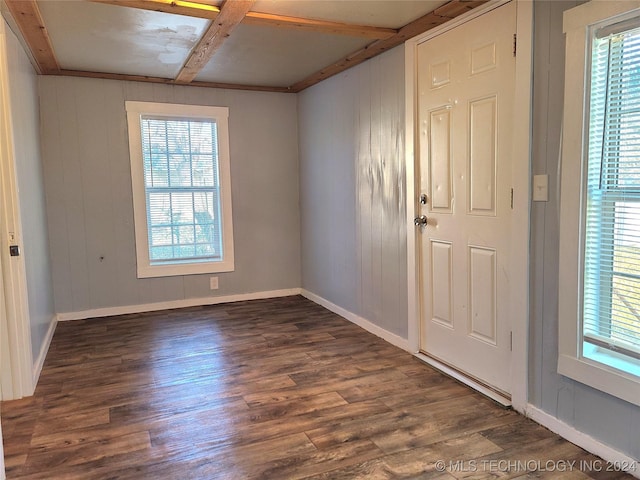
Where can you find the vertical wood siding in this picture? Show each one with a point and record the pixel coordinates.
(89, 199)
(609, 420)
(353, 191)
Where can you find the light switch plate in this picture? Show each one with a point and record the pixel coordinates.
(541, 188)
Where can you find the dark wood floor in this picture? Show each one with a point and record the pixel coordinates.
(269, 389)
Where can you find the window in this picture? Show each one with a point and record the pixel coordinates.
(600, 211)
(181, 188)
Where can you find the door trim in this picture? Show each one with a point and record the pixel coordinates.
(12, 269)
(521, 154)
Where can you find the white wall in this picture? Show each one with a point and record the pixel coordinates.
(89, 199)
(608, 419)
(351, 135)
(23, 85)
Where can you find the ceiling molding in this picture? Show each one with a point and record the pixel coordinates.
(431, 20)
(231, 14)
(29, 20)
(210, 12)
(170, 81)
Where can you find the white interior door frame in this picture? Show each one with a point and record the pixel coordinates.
(15, 318)
(4, 359)
(2, 471)
(521, 154)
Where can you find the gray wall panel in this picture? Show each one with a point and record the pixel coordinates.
(352, 191)
(26, 125)
(607, 419)
(327, 188)
(88, 180)
(55, 197)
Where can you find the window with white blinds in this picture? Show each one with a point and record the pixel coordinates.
(181, 183)
(611, 292)
(182, 189)
(599, 224)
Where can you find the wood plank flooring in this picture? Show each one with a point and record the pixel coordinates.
(268, 389)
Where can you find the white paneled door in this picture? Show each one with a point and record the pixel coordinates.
(466, 82)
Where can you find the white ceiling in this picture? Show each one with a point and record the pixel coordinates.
(115, 39)
(258, 55)
(106, 38)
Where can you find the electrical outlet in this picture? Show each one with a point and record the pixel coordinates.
(213, 283)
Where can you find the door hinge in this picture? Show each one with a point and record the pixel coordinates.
(512, 199)
(511, 341)
(515, 44)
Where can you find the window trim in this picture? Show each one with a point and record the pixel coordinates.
(145, 269)
(579, 23)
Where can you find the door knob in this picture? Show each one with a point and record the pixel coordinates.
(420, 221)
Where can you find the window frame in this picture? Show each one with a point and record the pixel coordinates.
(145, 268)
(605, 371)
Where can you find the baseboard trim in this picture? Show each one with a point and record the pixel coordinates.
(187, 302)
(44, 349)
(392, 338)
(590, 444)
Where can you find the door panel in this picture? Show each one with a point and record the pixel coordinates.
(482, 156)
(466, 80)
(440, 165)
(441, 279)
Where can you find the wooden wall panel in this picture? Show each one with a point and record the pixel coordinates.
(87, 163)
(352, 184)
(126, 289)
(73, 217)
(55, 195)
(392, 250)
(98, 208)
(603, 417)
(327, 132)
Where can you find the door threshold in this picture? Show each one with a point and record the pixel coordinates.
(499, 397)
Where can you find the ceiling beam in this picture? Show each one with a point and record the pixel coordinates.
(29, 20)
(431, 20)
(231, 14)
(177, 7)
(321, 26)
(210, 12)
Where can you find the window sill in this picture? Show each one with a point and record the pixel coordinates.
(616, 382)
(177, 269)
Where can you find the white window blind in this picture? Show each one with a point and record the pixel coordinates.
(182, 189)
(611, 292)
